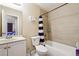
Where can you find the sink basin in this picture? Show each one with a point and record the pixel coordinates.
(2, 39)
(13, 39)
(17, 37)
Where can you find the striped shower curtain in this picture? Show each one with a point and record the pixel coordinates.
(40, 30)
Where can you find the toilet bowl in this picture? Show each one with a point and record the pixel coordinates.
(41, 50)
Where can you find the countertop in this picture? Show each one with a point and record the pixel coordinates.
(14, 39)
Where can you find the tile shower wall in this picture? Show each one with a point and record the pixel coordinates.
(65, 24)
(46, 25)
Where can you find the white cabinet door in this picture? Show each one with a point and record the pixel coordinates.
(3, 50)
(17, 49)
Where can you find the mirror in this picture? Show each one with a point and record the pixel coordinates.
(10, 21)
(11, 25)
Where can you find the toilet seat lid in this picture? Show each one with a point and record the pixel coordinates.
(41, 48)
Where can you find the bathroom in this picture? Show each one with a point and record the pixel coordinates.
(60, 29)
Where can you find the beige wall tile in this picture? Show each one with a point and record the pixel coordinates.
(65, 24)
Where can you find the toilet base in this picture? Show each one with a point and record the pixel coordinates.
(36, 54)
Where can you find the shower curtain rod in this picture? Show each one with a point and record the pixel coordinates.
(54, 9)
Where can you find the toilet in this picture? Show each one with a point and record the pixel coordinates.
(40, 49)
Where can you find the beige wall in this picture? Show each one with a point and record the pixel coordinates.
(0, 21)
(30, 28)
(0, 25)
(65, 24)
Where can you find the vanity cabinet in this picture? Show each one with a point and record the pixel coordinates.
(17, 49)
(3, 50)
(13, 49)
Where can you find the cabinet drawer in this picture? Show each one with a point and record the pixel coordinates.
(18, 42)
(3, 46)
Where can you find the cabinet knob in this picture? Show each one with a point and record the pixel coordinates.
(9, 47)
(5, 48)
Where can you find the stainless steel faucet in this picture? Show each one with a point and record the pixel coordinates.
(8, 36)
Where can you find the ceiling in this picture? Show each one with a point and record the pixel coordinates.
(48, 6)
(15, 6)
(44, 6)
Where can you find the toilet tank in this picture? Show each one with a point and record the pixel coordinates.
(35, 40)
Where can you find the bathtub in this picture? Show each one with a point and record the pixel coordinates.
(59, 49)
